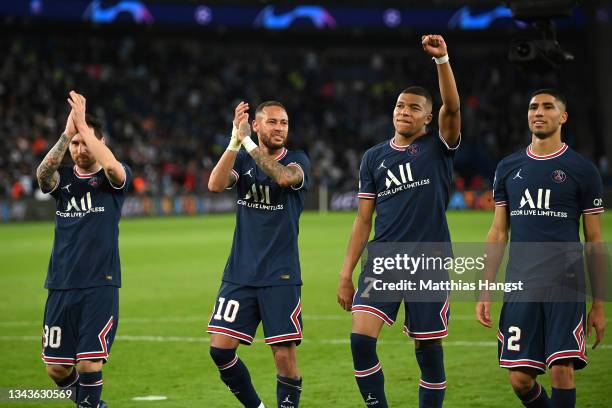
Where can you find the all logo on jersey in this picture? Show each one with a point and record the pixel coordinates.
(405, 175)
(79, 207)
(258, 196)
(543, 199)
(400, 178)
(85, 203)
(248, 173)
(537, 203)
(558, 176)
(381, 166)
(67, 187)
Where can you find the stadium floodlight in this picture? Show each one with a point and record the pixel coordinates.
(545, 53)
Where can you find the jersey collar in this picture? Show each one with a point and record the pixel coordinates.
(282, 154)
(558, 153)
(83, 175)
(397, 147)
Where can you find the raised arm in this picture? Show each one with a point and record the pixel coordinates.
(102, 154)
(596, 261)
(449, 119)
(222, 176)
(497, 238)
(46, 173)
(357, 243)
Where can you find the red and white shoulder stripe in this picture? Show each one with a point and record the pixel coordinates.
(594, 210)
(367, 196)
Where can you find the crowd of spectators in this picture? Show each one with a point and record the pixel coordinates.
(168, 102)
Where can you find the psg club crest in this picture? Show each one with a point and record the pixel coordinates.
(412, 150)
(558, 176)
(93, 182)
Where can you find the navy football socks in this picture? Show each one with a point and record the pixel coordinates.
(236, 376)
(536, 397)
(90, 389)
(70, 383)
(288, 392)
(561, 398)
(432, 385)
(368, 373)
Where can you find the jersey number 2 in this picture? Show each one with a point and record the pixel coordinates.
(513, 340)
(231, 310)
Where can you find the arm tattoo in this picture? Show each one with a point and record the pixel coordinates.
(46, 171)
(274, 169)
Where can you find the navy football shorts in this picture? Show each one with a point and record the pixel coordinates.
(536, 334)
(424, 320)
(239, 309)
(80, 324)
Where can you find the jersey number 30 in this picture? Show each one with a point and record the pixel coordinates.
(53, 336)
(231, 310)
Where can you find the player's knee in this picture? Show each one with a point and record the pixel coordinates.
(285, 359)
(90, 366)
(362, 344)
(422, 344)
(366, 324)
(58, 372)
(562, 375)
(223, 342)
(521, 382)
(222, 357)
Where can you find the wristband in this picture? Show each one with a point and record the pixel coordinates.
(249, 144)
(234, 143)
(442, 60)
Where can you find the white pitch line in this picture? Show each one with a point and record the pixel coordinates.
(150, 398)
(188, 339)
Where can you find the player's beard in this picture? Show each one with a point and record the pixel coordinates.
(270, 144)
(543, 134)
(84, 162)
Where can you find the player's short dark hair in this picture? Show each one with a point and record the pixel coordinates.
(265, 104)
(419, 90)
(95, 124)
(552, 92)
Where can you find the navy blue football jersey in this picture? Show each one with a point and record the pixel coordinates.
(265, 246)
(411, 185)
(545, 197)
(86, 243)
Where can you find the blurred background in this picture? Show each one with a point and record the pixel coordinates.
(165, 77)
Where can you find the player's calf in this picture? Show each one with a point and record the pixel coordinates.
(563, 385)
(289, 382)
(66, 377)
(432, 385)
(368, 372)
(527, 389)
(90, 383)
(236, 376)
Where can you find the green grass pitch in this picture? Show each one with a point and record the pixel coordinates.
(171, 273)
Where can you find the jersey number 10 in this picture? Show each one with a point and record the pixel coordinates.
(231, 310)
